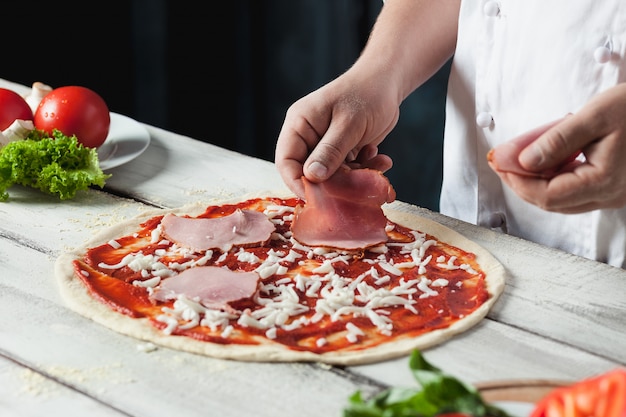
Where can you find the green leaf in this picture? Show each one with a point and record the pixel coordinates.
(438, 393)
(56, 165)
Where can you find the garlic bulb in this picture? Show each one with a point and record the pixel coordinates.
(38, 92)
(18, 130)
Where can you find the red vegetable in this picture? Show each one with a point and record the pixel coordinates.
(600, 396)
(12, 107)
(75, 110)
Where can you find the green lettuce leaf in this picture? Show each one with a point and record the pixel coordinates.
(56, 164)
(438, 393)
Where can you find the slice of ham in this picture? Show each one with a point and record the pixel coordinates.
(213, 286)
(345, 211)
(243, 227)
(505, 157)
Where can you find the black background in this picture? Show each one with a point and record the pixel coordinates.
(221, 72)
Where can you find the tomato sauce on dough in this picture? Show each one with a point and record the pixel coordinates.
(360, 303)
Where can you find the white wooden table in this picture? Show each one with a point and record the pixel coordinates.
(560, 317)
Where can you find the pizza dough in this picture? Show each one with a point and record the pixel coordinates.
(79, 298)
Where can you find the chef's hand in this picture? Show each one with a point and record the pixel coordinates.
(342, 122)
(599, 130)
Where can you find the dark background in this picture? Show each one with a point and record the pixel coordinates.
(221, 72)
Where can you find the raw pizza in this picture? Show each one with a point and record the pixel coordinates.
(230, 280)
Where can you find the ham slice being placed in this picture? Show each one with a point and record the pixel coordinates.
(345, 211)
(504, 157)
(243, 227)
(212, 286)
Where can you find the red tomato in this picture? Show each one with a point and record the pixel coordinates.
(76, 111)
(12, 107)
(600, 396)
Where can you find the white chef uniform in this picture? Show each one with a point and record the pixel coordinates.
(519, 64)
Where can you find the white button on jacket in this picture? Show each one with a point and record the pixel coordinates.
(484, 119)
(519, 64)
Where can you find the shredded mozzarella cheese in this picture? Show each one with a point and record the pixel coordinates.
(337, 297)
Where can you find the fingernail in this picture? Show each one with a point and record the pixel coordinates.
(318, 170)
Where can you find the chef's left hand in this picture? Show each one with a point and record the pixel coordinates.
(599, 131)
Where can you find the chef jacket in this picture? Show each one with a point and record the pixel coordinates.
(519, 64)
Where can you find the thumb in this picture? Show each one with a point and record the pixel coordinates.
(555, 147)
(329, 154)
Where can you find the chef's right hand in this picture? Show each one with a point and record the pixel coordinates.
(598, 129)
(343, 122)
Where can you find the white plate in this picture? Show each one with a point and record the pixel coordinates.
(127, 140)
(516, 408)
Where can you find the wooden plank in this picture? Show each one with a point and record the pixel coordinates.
(26, 392)
(175, 170)
(49, 225)
(492, 351)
